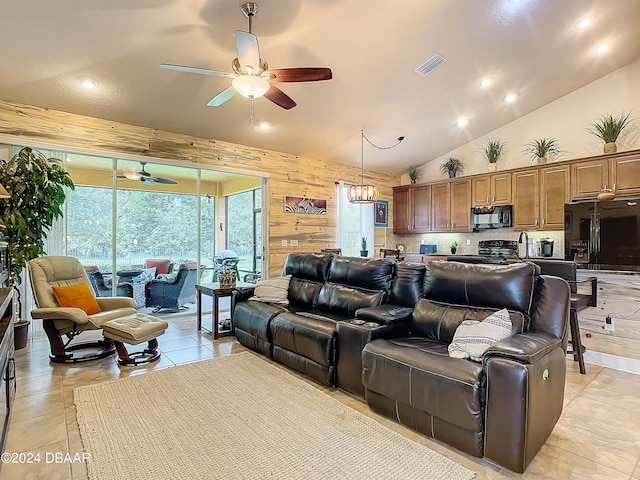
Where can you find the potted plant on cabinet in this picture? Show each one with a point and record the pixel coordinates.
(363, 247)
(452, 166)
(454, 247)
(542, 150)
(492, 152)
(608, 128)
(36, 187)
(414, 174)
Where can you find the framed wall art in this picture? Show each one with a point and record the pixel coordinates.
(381, 213)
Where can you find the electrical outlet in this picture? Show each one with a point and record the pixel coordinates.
(284, 243)
(294, 243)
(468, 241)
(609, 324)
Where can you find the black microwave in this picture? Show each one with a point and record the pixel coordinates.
(491, 217)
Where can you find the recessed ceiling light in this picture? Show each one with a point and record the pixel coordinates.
(602, 49)
(485, 82)
(265, 125)
(462, 122)
(88, 82)
(510, 98)
(584, 22)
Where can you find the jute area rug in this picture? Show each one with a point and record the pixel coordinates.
(240, 417)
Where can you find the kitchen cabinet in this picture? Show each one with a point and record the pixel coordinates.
(525, 194)
(440, 207)
(488, 190)
(625, 173)
(589, 178)
(460, 206)
(621, 174)
(412, 209)
(554, 193)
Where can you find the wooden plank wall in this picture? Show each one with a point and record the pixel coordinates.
(289, 174)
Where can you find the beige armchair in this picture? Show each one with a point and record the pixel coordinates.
(46, 272)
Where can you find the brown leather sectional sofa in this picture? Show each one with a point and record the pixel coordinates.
(381, 328)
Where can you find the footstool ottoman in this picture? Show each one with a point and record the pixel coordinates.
(134, 329)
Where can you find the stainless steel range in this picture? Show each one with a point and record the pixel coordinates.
(499, 249)
(499, 252)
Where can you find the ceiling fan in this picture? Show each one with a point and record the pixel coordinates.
(251, 75)
(145, 177)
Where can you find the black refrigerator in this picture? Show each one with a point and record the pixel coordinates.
(603, 235)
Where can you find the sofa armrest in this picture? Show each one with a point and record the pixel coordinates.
(525, 391)
(385, 314)
(525, 348)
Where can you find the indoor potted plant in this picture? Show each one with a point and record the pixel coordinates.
(608, 128)
(542, 150)
(454, 247)
(492, 152)
(363, 247)
(414, 174)
(452, 166)
(36, 187)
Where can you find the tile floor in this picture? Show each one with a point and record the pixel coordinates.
(598, 435)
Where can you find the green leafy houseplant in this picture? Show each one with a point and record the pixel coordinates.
(542, 150)
(414, 174)
(454, 246)
(493, 150)
(363, 247)
(608, 127)
(452, 166)
(36, 186)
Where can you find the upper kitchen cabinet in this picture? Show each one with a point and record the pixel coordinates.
(625, 172)
(554, 193)
(489, 190)
(440, 207)
(412, 209)
(461, 206)
(619, 172)
(526, 210)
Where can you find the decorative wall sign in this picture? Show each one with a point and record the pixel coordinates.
(305, 205)
(381, 212)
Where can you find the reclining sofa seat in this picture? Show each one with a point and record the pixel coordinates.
(323, 291)
(503, 408)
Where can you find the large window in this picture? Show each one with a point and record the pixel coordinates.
(354, 222)
(149, 224)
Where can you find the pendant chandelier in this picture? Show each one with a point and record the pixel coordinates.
(366, 193)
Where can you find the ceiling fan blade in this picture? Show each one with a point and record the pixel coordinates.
(280, 98)
(222, 97)
(306, 74)
(201, 71)
(164, 180)
(248, 50)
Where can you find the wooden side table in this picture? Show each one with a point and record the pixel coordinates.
(217, 292)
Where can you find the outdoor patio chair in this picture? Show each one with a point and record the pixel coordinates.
(172, 294)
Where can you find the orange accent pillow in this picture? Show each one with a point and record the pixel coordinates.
(79, 296)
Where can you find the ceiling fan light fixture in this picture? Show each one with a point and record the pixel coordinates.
(132, 175)
(250, 86)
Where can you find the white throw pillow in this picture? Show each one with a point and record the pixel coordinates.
(272, 290)
(472, 338)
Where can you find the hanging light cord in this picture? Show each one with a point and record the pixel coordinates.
(363, 137)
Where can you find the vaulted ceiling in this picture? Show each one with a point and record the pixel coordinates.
(528, 47)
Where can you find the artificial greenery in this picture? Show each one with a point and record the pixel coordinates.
(493, 150)
(452, 166)
(542, 148)
(364, 243)
(414, 174)
(608, 127)
(36, 186)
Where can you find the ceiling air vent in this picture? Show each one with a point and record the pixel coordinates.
(430, 65)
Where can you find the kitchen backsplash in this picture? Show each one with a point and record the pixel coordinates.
(412, 243)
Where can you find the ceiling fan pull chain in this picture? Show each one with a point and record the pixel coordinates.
(251, 111)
